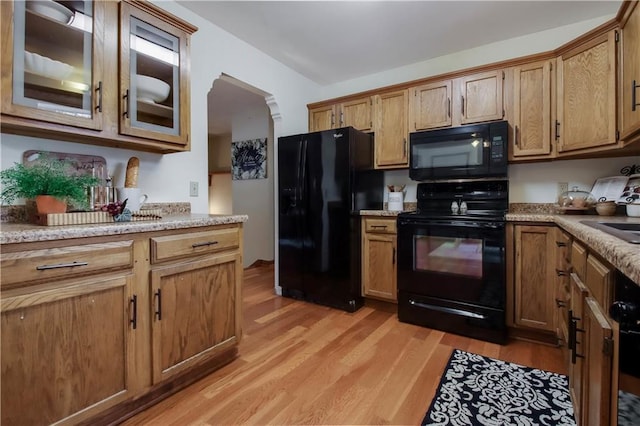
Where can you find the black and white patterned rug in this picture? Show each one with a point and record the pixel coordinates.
(476, 390)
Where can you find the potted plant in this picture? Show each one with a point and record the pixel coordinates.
(49, 182)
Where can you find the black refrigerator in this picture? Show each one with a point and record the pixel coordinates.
(324, 180)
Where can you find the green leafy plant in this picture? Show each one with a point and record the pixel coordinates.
(47, 177)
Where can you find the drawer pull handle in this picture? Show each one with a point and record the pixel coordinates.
(561, 303)
(379, 226)
(561, 273)
(61, 265)
(206, 243)
(134, 311)
(158, 296)
(561, 244)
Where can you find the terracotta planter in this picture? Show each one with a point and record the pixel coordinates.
(47, 204)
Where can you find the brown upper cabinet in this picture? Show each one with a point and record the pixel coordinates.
(391, 130)
(107, 73)
(586, 90)
(322, 118)
(53, 66)
(357, 113)
(430, 106)
(480, 96)
(532, 109)
(629, 98)
(470, 99)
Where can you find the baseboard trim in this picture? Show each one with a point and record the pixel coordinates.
(260, 262)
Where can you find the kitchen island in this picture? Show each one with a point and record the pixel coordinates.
(100, 321)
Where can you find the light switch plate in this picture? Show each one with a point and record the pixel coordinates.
(193, 189)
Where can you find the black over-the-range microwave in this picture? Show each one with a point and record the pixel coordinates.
(478, 150)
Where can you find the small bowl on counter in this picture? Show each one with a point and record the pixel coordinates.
(606, 208)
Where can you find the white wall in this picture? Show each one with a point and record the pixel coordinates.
(255, 197)
(538, 183)
(165, 178)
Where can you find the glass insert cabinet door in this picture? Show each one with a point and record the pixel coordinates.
(54, 64)
(154, 102)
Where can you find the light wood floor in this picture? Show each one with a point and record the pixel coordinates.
(302, 363)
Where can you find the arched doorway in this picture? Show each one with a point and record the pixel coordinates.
(238, 112)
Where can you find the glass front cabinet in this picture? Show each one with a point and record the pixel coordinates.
(112, 73)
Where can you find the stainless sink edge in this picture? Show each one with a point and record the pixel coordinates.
(628, 236)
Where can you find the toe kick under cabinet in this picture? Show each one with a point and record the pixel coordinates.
(93, 329)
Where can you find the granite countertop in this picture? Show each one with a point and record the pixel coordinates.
(621, 254)
(392, 213)
(25, 233)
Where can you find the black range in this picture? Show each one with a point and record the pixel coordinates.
(451, 258)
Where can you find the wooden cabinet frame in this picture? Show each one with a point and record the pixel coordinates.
(108, 127)
(168, 315)
(532, 109)
(95, 122)
(120, 364)
(586, 96)
(379, 258)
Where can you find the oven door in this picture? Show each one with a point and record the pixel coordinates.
(459, 260)
(451, 276)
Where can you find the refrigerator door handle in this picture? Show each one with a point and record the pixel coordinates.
(302, 166)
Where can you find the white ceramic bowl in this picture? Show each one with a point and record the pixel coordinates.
(633, 210)
(151, 89)
(52, 10)
(41, 65)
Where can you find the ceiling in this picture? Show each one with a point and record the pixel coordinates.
(333, 41)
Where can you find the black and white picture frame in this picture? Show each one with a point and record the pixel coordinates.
(249, 159)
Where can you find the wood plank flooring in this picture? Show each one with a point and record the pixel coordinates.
(301, 363)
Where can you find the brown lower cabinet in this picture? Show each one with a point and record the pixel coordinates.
(559, 285)
(140, 323)
(379, 265)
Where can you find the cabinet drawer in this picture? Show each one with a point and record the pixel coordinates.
(382, 226)
(579, 259)
(195, 243)
(599, 280)
(64, 262)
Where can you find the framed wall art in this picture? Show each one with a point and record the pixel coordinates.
(249, 159)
